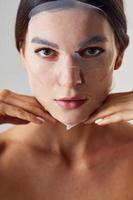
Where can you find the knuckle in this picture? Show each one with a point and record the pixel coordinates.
(4, 94)
(37, 111)
(2, 108)
(42, 113)
(18, 112)
(21, 112)
(33, 106)
(31, 116)
(26, 114)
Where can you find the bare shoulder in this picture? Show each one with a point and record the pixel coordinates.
(16, 163)
(7, 156)
(16, 158)
(124, 129)
(12, 147)
(122, 134)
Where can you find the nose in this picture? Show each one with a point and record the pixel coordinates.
(70, 75)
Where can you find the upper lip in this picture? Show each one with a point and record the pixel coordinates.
(70, 98)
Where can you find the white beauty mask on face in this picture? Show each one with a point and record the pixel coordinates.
(43, 74)
(59, 5)
(41, 81)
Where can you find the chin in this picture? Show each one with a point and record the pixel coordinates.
(70, 118)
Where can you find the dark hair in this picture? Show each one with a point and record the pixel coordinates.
(114, 10)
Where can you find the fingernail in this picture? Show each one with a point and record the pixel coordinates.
(40, 119)
(99, 121)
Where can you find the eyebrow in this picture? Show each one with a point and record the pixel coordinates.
(89, 41)
(41, 41)
(93, 40)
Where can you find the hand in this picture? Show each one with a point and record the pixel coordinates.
(21, 109)
(117, 107)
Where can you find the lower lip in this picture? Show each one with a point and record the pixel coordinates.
(71, 104)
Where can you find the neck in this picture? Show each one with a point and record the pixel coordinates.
(70, 142)
(73, 144)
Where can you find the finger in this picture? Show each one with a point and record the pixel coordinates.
(116, 117)
(105, 111)
(29, 104)
(5, 94)
(101, 113)
(12, 120)
(114, 103)
(13, 111)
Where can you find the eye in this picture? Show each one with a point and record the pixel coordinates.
(45, 52)
(92, 52)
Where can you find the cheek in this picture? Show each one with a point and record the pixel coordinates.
(104, 81)
(99, 71)
(39, 69)
(99, 84)
(41, 73)
(98, 77)
(41, 82)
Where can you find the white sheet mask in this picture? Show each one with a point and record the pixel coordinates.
(59, 5)
(54, 67)
(70, 126)
(37, 73)
(55, 6)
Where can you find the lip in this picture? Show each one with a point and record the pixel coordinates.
(70, 98)
(70, 103)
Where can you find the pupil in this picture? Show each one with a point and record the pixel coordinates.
(46, 51)
(92, 51)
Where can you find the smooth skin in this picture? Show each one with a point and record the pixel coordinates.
(44, 161)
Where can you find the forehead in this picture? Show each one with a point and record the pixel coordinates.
(76, 21)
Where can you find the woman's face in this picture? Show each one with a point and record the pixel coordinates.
(83, 50)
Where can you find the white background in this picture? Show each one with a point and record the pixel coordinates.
(13, 75)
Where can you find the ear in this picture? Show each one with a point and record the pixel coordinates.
(22, 56)
(118, 61)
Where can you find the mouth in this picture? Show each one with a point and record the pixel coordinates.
(70, 103)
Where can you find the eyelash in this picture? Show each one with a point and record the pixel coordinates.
(101, 50)
(38, 51)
